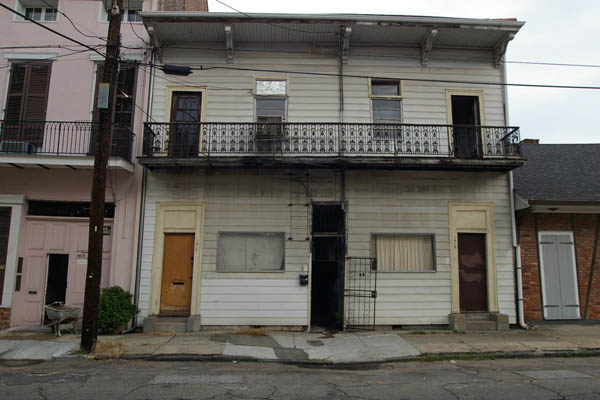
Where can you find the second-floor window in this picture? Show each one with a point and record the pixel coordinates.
(271, 104)
(37, 10)
(41, 14)
(386, 105)
(130, 12)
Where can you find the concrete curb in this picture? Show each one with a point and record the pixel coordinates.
(323, 363)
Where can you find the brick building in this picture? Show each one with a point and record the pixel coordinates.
(557, 197)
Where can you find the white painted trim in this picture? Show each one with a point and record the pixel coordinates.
(14, 201)
(18, 55)
(557, 233)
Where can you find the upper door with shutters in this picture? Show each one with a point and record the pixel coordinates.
(27, 101)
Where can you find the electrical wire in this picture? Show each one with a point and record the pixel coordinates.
(333, 54)
(131, 24)
(50, 29)
(275, 25)
(51, 58)
(72, 23)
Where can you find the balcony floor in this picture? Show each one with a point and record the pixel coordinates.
(358, 162)
(74, 162)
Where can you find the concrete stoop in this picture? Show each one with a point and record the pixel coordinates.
(171, 324)
(478, 322)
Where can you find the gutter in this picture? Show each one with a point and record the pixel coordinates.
(367, 19)
(138, 268)
(513, 222)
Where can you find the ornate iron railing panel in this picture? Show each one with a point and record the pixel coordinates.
(60, 138)
(206, 139)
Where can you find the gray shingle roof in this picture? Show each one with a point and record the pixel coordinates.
(561, 172)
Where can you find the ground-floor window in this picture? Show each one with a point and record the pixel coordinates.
(404, 252)
(250, 251)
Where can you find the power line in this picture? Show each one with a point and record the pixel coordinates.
(311, 73)
(50, 29)
(72, 23)
(475, 60)
(51, 58)
(275, 25)
(131, 24)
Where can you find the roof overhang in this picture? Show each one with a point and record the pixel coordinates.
(182, 27)
(564, 206)
(48, 162)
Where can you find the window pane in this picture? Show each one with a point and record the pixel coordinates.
(33, 13)
(133, 16)
(50, 14)
(387, 111)
(271, 87)
(385, 88)
(270, 107)
(403, 253)
(239, 251)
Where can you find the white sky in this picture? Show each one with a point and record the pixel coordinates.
(558, 31)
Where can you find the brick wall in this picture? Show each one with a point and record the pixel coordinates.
(183, 5)
(584, 229)
(4, 318)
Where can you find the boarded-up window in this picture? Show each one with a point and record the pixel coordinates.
(404, 253)
(250, 251)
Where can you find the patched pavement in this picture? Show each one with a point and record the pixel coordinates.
(307, 347)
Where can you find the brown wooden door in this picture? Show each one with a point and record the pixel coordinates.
(184, 136)
(472, 272)
(178, 261)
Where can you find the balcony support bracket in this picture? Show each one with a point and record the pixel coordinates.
(427, 45)
(345, 43)
(500, 48)
(229, 43)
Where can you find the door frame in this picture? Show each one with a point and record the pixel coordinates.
(466, 92)
(473, 218)
(543, 286)
(187, 218)
(170, 90)
(15, 202)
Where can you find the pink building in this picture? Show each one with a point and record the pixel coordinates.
(47, 105)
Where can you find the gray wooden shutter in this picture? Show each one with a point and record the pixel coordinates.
(560, 286)
(35, 103)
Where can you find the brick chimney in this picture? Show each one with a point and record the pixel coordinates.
(530, 141)
(183, 5)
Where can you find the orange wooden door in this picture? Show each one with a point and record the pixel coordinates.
(178, 261)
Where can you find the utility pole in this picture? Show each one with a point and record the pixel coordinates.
(103, 144)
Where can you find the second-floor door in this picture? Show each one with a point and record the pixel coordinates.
(466, 131)
(184, 137)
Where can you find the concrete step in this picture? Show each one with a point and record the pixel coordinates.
(479, 325)
(170, 324)
(177, 327)
(478, 316)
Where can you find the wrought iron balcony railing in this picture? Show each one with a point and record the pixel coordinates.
(216, 139)
(60, 138)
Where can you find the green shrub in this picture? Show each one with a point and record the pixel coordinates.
(115, 309)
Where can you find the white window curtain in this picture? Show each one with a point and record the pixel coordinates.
(240, 251)
(403, 253)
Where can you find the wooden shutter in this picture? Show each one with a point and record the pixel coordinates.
(124, 110)
(27, 101)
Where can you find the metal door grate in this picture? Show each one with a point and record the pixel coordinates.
(361, 293)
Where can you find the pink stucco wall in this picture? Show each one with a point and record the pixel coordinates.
(71, 99)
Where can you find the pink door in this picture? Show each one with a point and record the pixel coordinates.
(42, 238)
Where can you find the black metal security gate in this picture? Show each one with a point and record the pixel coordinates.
(361, 292)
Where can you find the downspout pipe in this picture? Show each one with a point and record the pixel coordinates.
(138, 267)
(515, 245)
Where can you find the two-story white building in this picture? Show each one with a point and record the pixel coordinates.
(327, 170)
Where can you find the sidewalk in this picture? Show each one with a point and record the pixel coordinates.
(309, 347)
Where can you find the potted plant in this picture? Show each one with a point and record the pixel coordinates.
(115, 310)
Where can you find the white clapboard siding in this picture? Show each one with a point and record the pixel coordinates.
(417, 202)
(378, 202)
(229, 96)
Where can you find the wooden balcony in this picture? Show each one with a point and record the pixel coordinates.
(330, 144)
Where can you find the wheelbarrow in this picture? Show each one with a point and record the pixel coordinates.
(60, 314)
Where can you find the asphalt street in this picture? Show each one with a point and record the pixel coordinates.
(539, 378)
